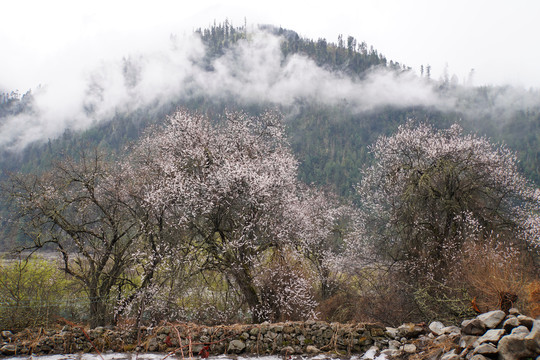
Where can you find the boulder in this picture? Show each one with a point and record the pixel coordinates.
(511, 347)
(388, 354)
(510, 323)
(520, 331)
(371, 353)
(486, 349)
(526, 321)
(394, 345)
(492, 336)
(236, 346)
(392, 332)
(475, 327)
(436, 328)
(467, 341)
(451, 330)
(492, 319)
(409, 348)
(441, 339)
(532, 341)
(410, 330)
(479, 357)
(310, 349)
(287, 350)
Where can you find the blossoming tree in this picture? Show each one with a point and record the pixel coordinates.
(229, 190)
(428, 188)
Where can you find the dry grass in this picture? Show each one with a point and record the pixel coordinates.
(496, 275)
(534, 298)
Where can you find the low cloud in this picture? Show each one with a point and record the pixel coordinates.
(252, 71)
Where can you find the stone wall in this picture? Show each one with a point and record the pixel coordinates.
(278, 338)
(493, 335)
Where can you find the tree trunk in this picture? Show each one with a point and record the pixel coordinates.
(245, 283)
(98, 309)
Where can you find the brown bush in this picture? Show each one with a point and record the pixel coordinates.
(375, 297)
(534, 298)
(496, 275)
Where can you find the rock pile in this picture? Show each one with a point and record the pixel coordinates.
(493, 335)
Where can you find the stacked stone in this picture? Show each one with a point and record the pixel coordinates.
(309, 337)
(66, 341)
(493, 335)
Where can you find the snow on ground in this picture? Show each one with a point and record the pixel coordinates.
(369, 355)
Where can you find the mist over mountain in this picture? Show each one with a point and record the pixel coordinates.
(336, 99)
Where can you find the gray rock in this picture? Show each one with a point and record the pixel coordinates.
(278, 329)
(436, 327)
(394, 345)
(236, 346)
(511, 347)
(514, 311)
(451, 355)
(410, 330)
(7, 334)
(492, 336)
(485, 349)
(467, 341)
(532, 341)
(310, 349)
(389, 354)
(451, 330)
(526, 321)
(520, 331)
(440, 339)
(287, 350)
(479, 357)
(371, 353)
(392, 332)
(474, 327)
(510, 323)
(409, 348)
(492, 319)
(328, 333)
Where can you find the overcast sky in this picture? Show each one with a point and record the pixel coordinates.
(496, 38)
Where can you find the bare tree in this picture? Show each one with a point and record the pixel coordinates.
(86, 212)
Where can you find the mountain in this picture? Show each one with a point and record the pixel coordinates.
(336, 99)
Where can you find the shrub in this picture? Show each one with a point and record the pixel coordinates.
(495, 273)
(33, 292)
(534, 298)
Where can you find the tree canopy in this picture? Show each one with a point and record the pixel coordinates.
(430, 191)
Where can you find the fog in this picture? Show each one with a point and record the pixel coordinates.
(82, 90)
